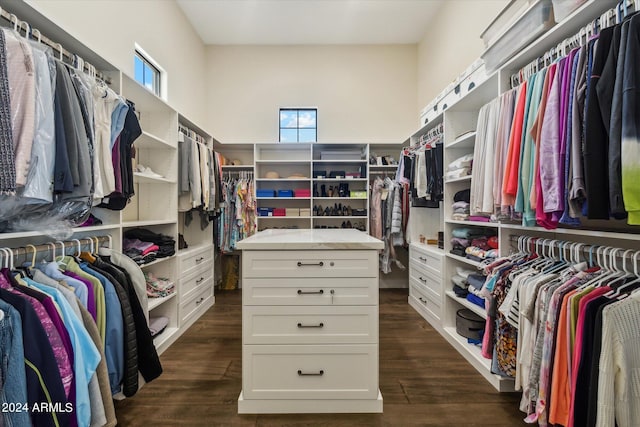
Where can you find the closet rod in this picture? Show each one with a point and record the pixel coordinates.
(24, 250)
(608, 18)
(30, 32)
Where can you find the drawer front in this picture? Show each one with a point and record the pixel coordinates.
(310, 325)
(192, 261)
(192, 282)
(426, 259)
(313, 291)
(200, 299)
(335, 263)
(427, 303)
(310, 371)
(434, 284)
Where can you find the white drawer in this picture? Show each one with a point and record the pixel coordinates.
(192, 282)
(310, 325)
(199, 299)
(191, 261)
(434, 284)
(427, 303)
(334, 263)
(313, 291)
(427, 259)
(310, 371)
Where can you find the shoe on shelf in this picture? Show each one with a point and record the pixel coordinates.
(144, 170)
(323, 190)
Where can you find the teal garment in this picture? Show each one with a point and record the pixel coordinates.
(519, 204)
(86, 355)
(528, 152)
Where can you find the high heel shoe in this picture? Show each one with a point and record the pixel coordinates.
(323, 190)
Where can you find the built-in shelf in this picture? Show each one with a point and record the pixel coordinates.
(165, 336)
(463, 259)
(149, 141)
(283, 217)
(155, 262)
(283, 162)
(383, 166)
(339, 198)
(283, 198)
(576, 232)
(146, 179)
(340, 161)
(466, 140)
(156, 302)
(478, 223)
(338, 217)
(340, 179)
(468, 304)
(284, 179)
(150, 223)
(461, 179)
(240, 167)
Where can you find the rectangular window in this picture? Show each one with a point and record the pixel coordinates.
(298, 125)
(147, 74)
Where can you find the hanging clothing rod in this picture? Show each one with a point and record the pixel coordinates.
(609, 18)
(31, 249)
(30, 33)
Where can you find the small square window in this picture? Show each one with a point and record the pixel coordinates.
(298, 125)
(147, 74)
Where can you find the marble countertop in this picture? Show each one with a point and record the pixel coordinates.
(314, 239)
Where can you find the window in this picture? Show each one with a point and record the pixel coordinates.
(147, 73)
(298, 125)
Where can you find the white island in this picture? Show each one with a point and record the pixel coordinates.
(310, 322)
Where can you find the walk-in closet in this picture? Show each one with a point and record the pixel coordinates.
(310, 212)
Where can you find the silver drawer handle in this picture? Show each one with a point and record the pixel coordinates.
(318, 374)
(199, 259)
(200, 301)
(319, 325)
(423, 259)
(422, 280)
(303, 264)
(199, 280)
(301, 292)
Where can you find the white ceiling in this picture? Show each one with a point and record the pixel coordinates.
(280, 22)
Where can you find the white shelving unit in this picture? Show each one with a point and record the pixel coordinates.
(460, 121)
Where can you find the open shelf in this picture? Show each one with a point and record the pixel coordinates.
(156, 302)
(156, 261)
(478, 223)
(471, 262)
(149, 141)
(340, 179)
(461, 179)
(146, 179)
(466, 303)
(239, 167)
(466, 140)
(165, 336)
(132, 224)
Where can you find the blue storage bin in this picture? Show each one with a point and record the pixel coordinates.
(285, 193)
(265, 211)
(265, 193)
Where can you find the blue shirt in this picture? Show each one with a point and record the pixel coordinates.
(114, 339)
(118, 115)
(86, 355)
(52, 270)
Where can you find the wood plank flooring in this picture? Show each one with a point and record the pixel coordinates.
(424, 381)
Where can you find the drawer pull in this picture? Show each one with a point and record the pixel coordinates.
(320, 325)
(199, 259)
(307, 264)
(199, 280)
(301, 292)
(422, 300)
(317, 374)
(422, 259)
(422, 280)
(200, 301)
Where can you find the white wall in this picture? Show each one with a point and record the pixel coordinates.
(451, 43)
(363, 93)
(111, 27)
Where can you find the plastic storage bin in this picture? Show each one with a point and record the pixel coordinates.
(505, 19)
(279, 212)
(265, 193)
(563, 8)
(265, 211)
(285, 193)
(536, 20)
(302, 192)
(292, 211)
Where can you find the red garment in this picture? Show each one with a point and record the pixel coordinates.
(511, 170)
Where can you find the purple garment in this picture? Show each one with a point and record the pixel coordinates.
(115, 158)
(91, 297)
(62, 358)
(137, 244)
(478, 218)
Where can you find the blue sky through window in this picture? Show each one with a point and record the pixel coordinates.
(298, 125)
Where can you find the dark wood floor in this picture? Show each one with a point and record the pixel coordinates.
(423, 380)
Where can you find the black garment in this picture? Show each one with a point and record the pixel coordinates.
(462, 196)
(38, 352)
(596, 139)
(148, 360)
(62, 180)
(166, 244)
(130, 377)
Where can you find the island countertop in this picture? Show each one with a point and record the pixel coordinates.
(310, 239)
